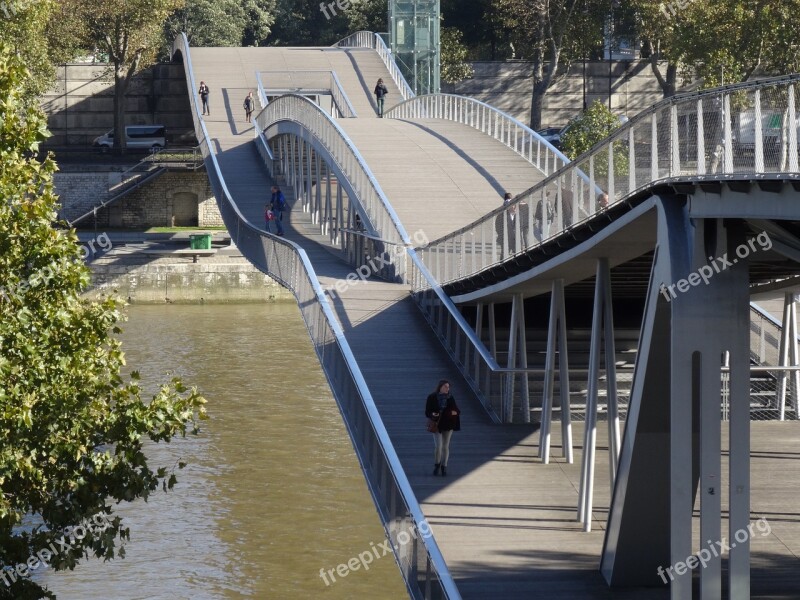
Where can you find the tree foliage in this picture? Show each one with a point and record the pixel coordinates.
(594, 125)
(719, 42)
(42, 36)
(130, 33)
(368, 15)
(222, 22)
(454, 63)
(551, 33)
(71, 429)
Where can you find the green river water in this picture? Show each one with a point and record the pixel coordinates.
(272, 492)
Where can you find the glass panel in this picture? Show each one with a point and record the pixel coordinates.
(414, 26)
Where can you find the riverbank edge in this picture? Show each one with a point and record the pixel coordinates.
(186, 283)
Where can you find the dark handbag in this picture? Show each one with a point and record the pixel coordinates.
(433, 426)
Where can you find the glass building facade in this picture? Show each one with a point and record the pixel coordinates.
(414, 33)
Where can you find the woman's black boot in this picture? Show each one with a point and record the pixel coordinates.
(436, 469)
(444, 471)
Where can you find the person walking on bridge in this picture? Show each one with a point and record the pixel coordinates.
(278, 205)
(249, 105)
(380, 95)
(203, 91)
(440, 406)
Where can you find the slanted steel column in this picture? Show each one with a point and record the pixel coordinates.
(492, 347)
(556, 339)
(326, 221)
(339, 238)
(602, 327)
(516, 344)
(788, 355)
(316, 215)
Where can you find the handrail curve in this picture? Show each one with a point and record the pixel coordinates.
(734, 131)
(288, 263)
(368, 39)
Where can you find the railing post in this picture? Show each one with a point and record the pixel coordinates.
(758, 151)
(701, 139)
(728, 146)
(793, 167)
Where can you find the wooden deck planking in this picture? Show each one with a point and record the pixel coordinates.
(505, 523)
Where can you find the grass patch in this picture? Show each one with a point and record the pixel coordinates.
(180, 229)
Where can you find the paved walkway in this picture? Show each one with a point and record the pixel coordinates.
(505, 523)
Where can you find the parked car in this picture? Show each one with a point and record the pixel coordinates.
(554, 135)
(137, 136)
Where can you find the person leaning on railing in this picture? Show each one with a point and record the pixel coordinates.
(507, 221)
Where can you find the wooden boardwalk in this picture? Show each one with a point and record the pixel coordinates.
(506, 523)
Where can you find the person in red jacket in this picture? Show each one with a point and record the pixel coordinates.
(441, 407)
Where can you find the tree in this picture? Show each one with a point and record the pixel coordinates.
(368, 15)
(71, 429)
(222, 22)
(551, 33)
(720, 42)
(38, 32)
(129, 31)
(301, 22)
(594, 125)
(486, 35)
(454, 56)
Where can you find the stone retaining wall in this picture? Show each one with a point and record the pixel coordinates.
(176, 198)
(186, 283)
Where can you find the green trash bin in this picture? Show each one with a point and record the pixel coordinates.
(200, 241)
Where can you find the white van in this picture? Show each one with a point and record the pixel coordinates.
(137, 136)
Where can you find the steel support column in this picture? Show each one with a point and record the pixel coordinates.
(556, 342)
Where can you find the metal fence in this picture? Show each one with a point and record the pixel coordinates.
(278, 83)
(419, 557)
(738, 131)
(485, 118)
(373, 41)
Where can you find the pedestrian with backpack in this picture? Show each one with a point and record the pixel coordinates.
(278, 205)
(249, 105)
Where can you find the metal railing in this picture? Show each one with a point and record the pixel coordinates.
(278, 83)
(739, 131)
(344, 156)
(367, 39)
(485, 118)
(420, 560)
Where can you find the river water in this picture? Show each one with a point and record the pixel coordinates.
(272, 492)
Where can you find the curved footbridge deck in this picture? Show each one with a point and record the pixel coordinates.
(505, 523)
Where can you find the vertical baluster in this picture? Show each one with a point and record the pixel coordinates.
(701, 139)
(758, 154)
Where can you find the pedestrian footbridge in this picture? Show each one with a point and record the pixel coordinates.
(615, 289)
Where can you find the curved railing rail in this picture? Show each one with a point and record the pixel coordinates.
(307, 81)
(367, 191)
(487, 119)
(367, 39)
(419, 558)
(738, 131)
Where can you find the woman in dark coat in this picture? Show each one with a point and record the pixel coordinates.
(441, 407)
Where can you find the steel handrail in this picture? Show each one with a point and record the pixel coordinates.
(288, 108)
(624, 185)
(333, 87)
(396, 471)
(373, 41)
(429, 106)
